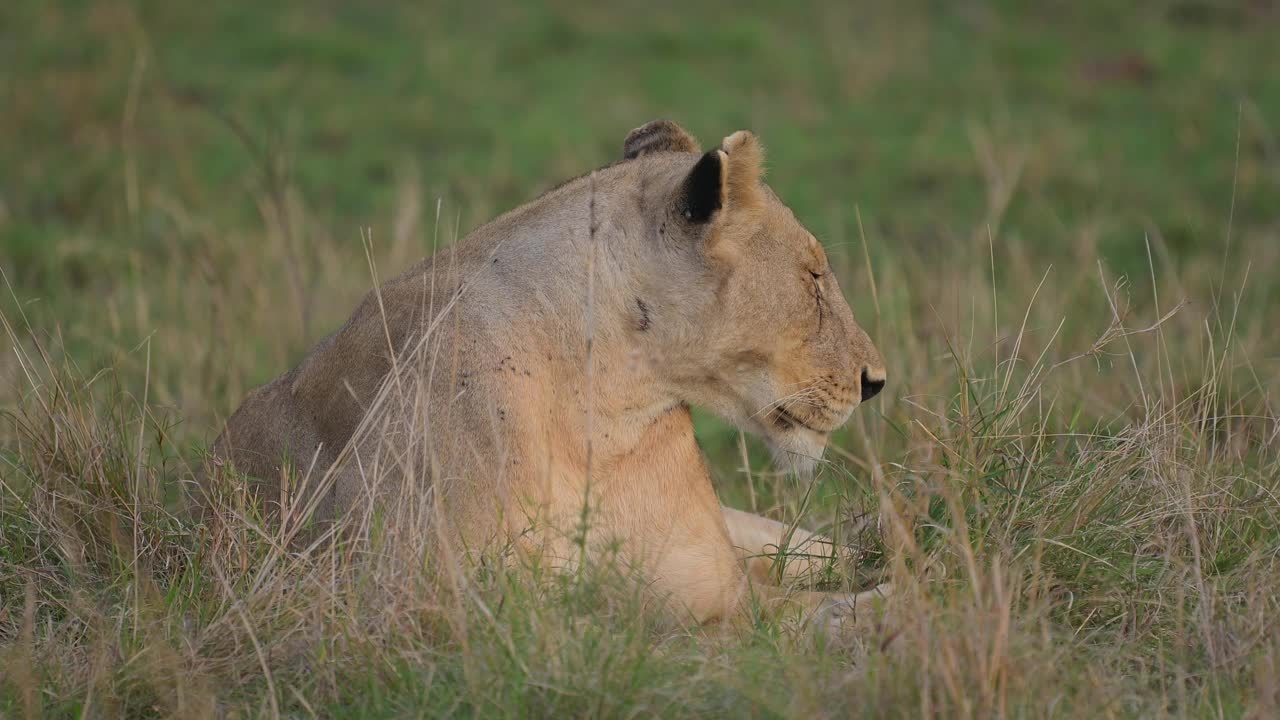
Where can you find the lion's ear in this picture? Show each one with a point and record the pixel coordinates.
(726, 177)
(702, 193)
(746, 168)
(657, 136)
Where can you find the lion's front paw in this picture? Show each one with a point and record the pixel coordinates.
(853, 615)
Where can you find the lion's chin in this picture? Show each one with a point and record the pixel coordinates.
(797, 450)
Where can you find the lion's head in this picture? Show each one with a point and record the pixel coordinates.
(743, 311)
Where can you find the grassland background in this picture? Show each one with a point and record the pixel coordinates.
(1012, 193)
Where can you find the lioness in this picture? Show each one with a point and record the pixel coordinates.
(556, 351)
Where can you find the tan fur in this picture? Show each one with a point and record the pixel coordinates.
(746, 169)
(495, 384)
(657, 136)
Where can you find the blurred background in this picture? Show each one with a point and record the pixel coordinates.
(187, 189)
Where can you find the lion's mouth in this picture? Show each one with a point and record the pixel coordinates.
(786, 420)
(796, 444)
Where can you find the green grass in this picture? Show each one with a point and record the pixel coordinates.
(183, 193)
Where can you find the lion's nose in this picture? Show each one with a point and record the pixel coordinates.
(872, 382)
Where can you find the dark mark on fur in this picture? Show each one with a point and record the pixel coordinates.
(643, 323)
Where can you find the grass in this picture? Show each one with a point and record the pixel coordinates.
(1069, 216)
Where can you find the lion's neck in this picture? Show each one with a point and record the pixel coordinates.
(568, 270)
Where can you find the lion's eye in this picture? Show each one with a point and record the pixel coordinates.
(817, 287)
(817, 296)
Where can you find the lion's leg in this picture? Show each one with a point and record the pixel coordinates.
(712, 586)
(761, 544)
(691, 548)
(701, 570)
(839, 613)
(775, 552)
